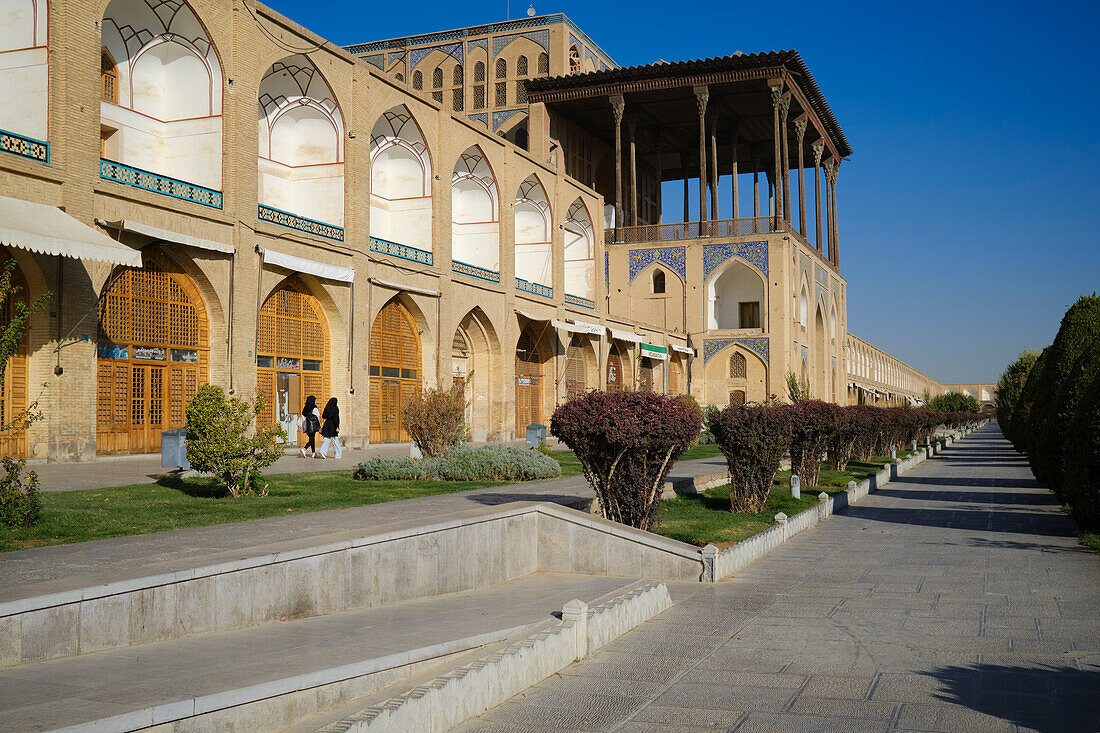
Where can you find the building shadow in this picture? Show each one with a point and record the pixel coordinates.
(1045, 524)
(1042, 698)
(992, 482)
(971, 497)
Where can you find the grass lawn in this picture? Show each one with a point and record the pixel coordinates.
(706, 518)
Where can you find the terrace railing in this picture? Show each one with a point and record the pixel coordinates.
(695, 230)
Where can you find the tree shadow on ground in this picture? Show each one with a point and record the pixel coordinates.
(1045, 524)
(970, 497)
(1042, 698)
(495, 499)
(200, 488)
(984, 543)
(989, 483)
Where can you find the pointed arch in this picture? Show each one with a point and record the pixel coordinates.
(475, 212)
(658, 281)
(395, 362)
(580, 252)
(533, 220)
(301, 130)
(735, 367)
(401, 181)
(736, 297)
(480, 370)
(533, 377)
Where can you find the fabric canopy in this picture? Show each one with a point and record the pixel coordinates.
(409, 288)
(309, 267)
(570, 327)
(530, 317)
(165, 235)
(590, 328)
(625, 336)
(49, 230)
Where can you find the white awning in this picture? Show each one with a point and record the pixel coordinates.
(625, 336)
(682, 349)
(409, 288)
(530, 317)
(591, 328)
(164, 235)
(49, 230)
(309, 267)
(570, 327)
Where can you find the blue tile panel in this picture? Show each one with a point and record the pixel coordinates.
(542, 38)
(286, 219)
(579, 300)
(674, 258)
(417, 54)
(374, 60)
(606, 270)
(755, 253)
(499, 118)
(530, 287)
(482, 117)
(758, 344)
(465, 268)
(138, 178)
(23, 146)
(400, 250)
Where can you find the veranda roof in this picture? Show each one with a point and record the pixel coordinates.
(49, 230)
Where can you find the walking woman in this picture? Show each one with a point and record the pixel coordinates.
(310, 424)
(330, 430)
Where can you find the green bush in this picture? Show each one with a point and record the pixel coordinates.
(954, 402)
(20, 501)
(1059, 389)
(1022, 412)
(1009, 387)
(484, 463)
(222, 441)
(1082, 459)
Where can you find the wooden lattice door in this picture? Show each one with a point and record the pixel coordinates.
(152, 357)
(13, 391)
(576, 371)
(394, 363)
(614, 370)
(528, 384)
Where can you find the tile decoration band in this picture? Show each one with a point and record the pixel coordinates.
(755, 253)
(400, 250)
(758, 345)
(138, 178)
(537, 289)
(25, 147)
(465, 268)
(675, 258)
(580, 300)
(286, 219)
(499, 118)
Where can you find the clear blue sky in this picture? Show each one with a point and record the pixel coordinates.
(969, 211)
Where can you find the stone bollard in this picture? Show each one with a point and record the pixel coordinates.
(822, 496)
(576, 612)
(781, 518)
(893, 453)
(796, 488)
(852, 486)
(710, 556)
(914, 445)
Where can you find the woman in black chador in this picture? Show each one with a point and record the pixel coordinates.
(330, 429)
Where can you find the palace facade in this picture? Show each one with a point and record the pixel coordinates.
(226, 197)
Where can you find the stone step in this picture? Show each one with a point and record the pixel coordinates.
(271, 676)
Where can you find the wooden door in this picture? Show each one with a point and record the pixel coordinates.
(529, 365)
(390, 411)
(113, 407)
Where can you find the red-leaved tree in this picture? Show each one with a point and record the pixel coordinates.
(813, 424)
(753, 440)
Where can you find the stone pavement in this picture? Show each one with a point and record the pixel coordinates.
(955, 599)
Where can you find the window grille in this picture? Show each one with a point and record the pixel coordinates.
(502, 94)
(456, 75)
(479, 71)
(737, 398)
(418, 80)
(479, 97)
(437, 96)
(574, 60)
(521, 92)
(544, 63)
(108, 78)
(521, 66)
(457, 99)
(502, 68)
(738, 367)
(437, 78)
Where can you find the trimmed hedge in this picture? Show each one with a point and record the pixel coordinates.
(1082, 459)
(484, 463)
(1022, 414)
(1009, 387)
(753, 439)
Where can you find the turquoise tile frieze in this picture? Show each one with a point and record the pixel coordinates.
(536, 288)
(579, 300)
(25, 147)
(138, 178)
(757, 344)
(465, 268)
(755, 253)
(675, 258)
(400, 250)
(286, 219)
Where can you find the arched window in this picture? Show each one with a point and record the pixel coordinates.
(479, 71)
(580, 271)
(418, 80)
(401, 177)
(533, 233)
(659, 282)
(737, 398)
(502, 68)
(738, 367)
(544, 63)
(502, 94)
(437, 78)
(735, 297)
(475, 214)
(400, 77)
(521, 66)
(574, 60)
(479, 97)
(456, 75)
(395, 368)
(108, 78)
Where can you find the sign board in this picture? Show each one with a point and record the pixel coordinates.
(654, 352)
(151, 353)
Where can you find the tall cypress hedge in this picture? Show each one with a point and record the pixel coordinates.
(1082, 458)
(1059, 390)
(1022, 413)
(1009, 387)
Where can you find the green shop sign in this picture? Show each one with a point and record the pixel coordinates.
(654, 352)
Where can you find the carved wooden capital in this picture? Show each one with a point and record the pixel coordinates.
(618, 105)
(784, 107)
(800, 128)
(702, 96)
(818, 148)
(831, 170)
(777, 93)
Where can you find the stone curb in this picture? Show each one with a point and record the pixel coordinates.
(466, 692)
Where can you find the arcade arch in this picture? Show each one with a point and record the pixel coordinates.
(580, 252)
(532, 357)
(475, 212)
(401, 181)
(533, 233)
(735, 298)
(475, 362)
(395, 370)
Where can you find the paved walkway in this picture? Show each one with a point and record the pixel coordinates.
(955, 599)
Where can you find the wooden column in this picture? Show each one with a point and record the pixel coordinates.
(733, 167)
(800, 135)
(660, 174)
(818, 148)
(755, 191)
(631, 130)
(777, 153)
(687, 213)
(617, 107)
(702, 96)
(829, 166)
(714, 167)
(784, 109)
(834, 241)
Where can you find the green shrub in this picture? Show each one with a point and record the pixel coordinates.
(1009, 387)
(626, 442)
(753, 439)
(1021, 415)
(1057, 393)
(484, 463)
(20, 501)
(954, 402)
(222, 441)
(436, 418)
(1082, 459)
(813, 425)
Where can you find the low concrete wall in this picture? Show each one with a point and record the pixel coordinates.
(470, 690)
